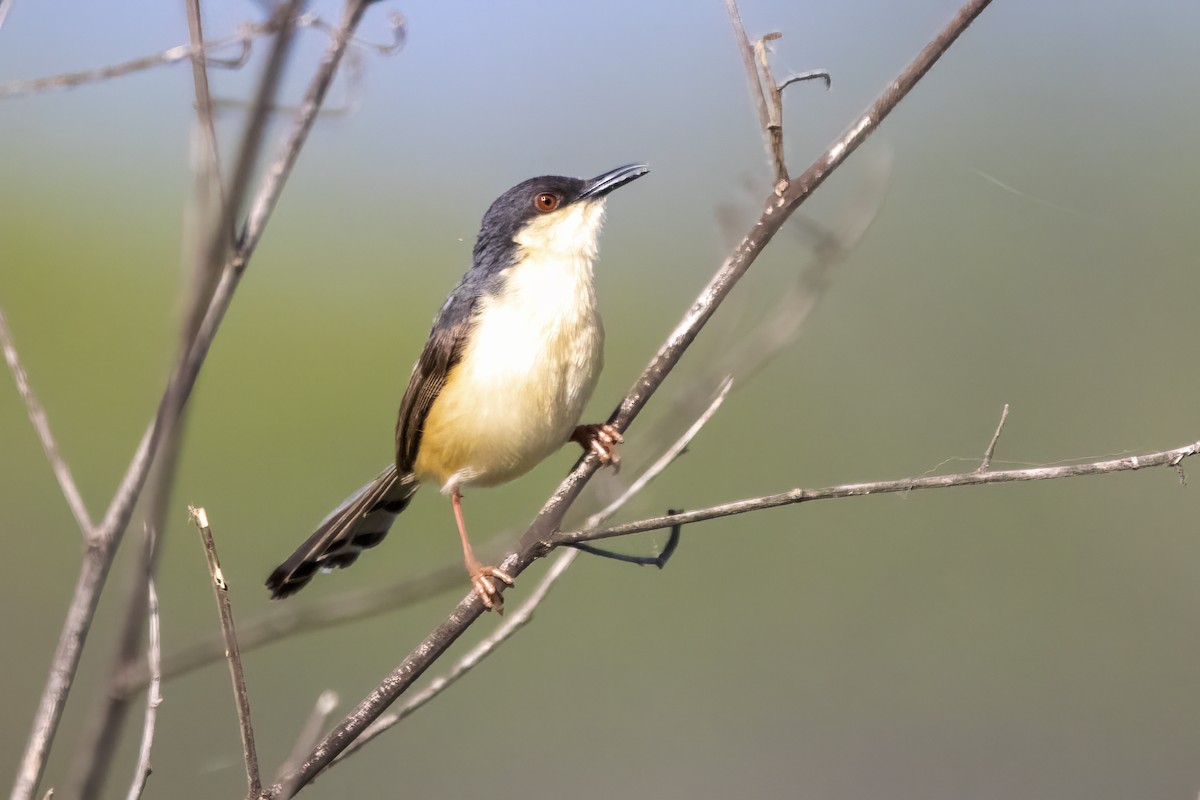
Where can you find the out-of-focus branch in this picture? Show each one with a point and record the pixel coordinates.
(37, 416)
(153, 696)
(107, 536)
(1164, 458)
(779, 207)
(310, 733)
(236, 674)
(67, 80)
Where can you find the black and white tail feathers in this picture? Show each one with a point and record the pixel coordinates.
(361, 521)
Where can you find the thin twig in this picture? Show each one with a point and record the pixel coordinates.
(153, 696)
(172, 55)
(774, 99)
(285, 619)
(208, 173)
(236, 674)
(754, 83)
(37, 416)
(986, 464)
(310, 732)
(524, 614)
(785, 200)
(1164, 458)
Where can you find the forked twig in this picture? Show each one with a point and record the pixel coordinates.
(1164, 458)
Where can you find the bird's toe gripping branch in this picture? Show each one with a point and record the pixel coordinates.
(481, 579)
(601, 440)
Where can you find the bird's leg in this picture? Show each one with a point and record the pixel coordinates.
(481, 576)
(601, 440)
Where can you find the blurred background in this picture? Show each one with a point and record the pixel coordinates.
(1036, 247)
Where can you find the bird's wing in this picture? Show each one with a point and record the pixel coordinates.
(361, 521)
(442, 351)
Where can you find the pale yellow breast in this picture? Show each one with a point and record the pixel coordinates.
(525, 376)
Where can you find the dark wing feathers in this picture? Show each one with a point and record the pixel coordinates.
(365, 517)
(442, 351)
(358, 523)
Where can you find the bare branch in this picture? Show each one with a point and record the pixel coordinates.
(37, 416)
(153, 696)
(1164, 458)
(785, 200)
(524, 614)
(221, 591)
(986, 464)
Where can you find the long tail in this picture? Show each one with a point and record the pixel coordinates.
(361, 521)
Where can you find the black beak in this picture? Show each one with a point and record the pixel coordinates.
(614, 178)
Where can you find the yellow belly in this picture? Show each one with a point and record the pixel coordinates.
(522, 383)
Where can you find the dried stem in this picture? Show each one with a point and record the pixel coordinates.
(780, 206)
(37, 416)
(1164, 458)
(153, 696)
(986, 464)
(524, 614)
(236, 674)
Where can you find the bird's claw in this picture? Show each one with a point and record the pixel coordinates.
(481, 579)
(601, 440)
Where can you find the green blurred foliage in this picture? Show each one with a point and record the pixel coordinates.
(1037, 247)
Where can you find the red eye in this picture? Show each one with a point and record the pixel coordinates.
(546, 202)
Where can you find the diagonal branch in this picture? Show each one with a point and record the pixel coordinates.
(1164, 458)
(524, 614)
(780, 206)
(37, 416)
(236, 674)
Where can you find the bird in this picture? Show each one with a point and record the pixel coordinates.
(510, 362)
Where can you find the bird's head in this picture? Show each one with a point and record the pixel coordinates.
(550, 214)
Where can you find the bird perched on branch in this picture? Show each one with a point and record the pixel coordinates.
(510, 363)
